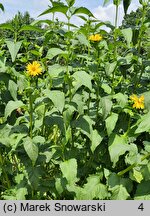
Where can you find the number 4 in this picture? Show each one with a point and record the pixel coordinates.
(141, 207)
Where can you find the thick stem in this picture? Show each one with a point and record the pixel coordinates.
(31, 115)
(132, 166)
(42, 129)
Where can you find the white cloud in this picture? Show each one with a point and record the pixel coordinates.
(107, 13)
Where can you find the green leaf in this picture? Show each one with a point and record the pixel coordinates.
(119, 193)
(57, 97)
(13, 48)
(120, 187)
(93, 189)
(31, 149)
(83, 40)
(70, 3)
(106, 105)
(145, 170)
(96, 139)
(118, 145)
(30, 28)
(83, 10)
(7, 26)
(1, 7)
(11, 106)
(143, 191)
(147, 146)
(137, 175)
(21, 192)
(61, 9)
(122, 99)
(3, 68)
(79, 81)
(84, 123)
(106, 88)
(54, 52)
(127, 33)
(143, 124)
(146, 100)
(56, 70)
(133, 156)
(126, 4)
(110, 67)
(111, 122)
(69, 170)
(12, 87)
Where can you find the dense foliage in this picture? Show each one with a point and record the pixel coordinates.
(75, 108)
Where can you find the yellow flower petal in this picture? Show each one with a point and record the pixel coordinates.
(34, 68)
(95, 38)
(138, 101)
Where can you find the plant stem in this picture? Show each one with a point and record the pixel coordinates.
(31, 114)
(5, 174)
(42, 129)
(115, 48)
(132, 166)
(141, 31)
(116, 16)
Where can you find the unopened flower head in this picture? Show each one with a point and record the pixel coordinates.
(34, 68)
(95, 38)
(138, 101)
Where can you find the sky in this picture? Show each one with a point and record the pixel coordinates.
(36, 7)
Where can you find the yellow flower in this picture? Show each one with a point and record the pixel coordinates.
(138, 101)
(34, 68)
(95, 38)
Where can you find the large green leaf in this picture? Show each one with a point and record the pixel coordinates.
(119, 193)
(110, 67)
(137, 175)
(11, 106)
(120, 187)
(12, 87)
(82, 78)
(3, 66)
(96, 139)
(122, 99)
(106, 105)
(57, 97)
(69, 170)
(21, 192)
(7, 26)
(93, 189)
(127, 33)
(31, 149)
(61, 9)
(84, 123)
(144, 124)
(83, 40)
(143, 191)
(30, 28)
(147, 100)
(13, 48)
(83, 10)
(118, 145)
(52, 52)
(111, 122)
